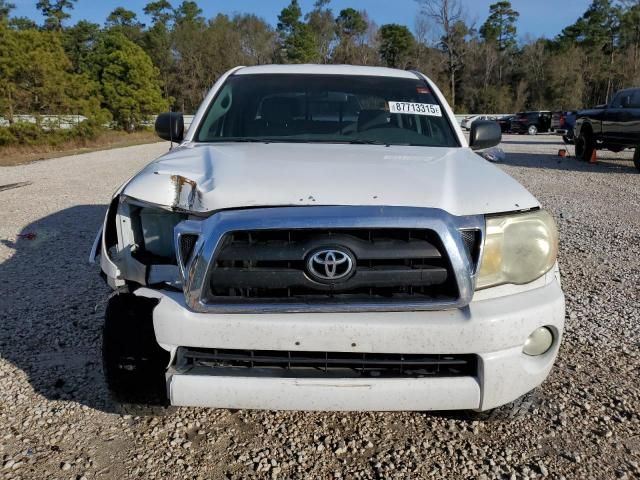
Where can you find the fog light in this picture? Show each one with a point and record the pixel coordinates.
(539, 342)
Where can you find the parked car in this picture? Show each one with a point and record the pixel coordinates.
(468, 121)
(614, 126)
(505, 123)
(563, 123)
(286, 256)
(531, 123)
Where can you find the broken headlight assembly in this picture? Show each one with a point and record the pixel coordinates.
(518, 248)
(157, 231)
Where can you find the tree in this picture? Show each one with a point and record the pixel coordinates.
(189, 12)
(22, 23)
(257, 39)
(126, 22)
(396, 42)
(428, 58)
(297, 42)
(196, 47)
(79, 42)
(321, 23)
(36, 77)
(500, 27)
(5, 10)
(351, 26)
(157, 40)
(533, 59)
(597, 31)
(448, 15)
(55, 12)
(630, 37)
(8, 67)
(128, 80)
(566, 83)
(161, 12)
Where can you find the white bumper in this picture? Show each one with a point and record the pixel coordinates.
(384, 394)
(495, 329)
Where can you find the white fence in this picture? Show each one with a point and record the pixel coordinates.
(48, 122)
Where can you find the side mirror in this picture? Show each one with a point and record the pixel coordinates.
(484, 134)
(170, 126)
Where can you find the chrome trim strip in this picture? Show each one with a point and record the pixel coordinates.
(211, 230)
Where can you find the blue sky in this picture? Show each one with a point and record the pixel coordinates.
(537, 17)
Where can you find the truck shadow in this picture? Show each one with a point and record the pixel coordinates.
(52, 304)
(553, 162)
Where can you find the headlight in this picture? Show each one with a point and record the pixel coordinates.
(518, 248)
(157, 230)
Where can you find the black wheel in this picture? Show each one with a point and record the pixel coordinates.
(532, 130)
(134, 364)
(585, 146)
(636, 158)
(519, 408)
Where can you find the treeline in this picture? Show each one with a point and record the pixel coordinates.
(124, 70)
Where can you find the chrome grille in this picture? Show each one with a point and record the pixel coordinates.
(431, 268)
(390, 264)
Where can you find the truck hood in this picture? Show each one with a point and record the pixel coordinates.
(203, 177)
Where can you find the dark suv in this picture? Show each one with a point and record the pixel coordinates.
(531, 122)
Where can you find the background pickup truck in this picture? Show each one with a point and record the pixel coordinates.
(615, 126)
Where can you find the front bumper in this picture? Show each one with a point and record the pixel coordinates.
(494, 329)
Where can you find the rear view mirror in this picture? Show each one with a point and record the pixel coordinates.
(170, 126)
(484, 134)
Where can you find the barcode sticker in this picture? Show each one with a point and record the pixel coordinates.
(415, 108)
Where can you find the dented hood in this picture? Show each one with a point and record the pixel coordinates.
(206, 177)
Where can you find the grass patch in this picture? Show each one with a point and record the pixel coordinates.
(11, 155)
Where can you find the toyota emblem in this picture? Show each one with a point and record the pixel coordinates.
(330, 265)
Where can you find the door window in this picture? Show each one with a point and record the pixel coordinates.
(617, 100)
(634, 101)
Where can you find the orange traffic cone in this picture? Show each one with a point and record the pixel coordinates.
(594, 158)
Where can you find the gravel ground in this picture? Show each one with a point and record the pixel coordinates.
(57, 421)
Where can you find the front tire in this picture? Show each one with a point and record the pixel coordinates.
(636, 158)
(134, 364)
(585, 146)
(532, 130)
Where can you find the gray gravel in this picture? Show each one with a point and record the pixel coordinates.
(57, 421)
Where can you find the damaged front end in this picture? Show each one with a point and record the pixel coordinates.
(137, 245)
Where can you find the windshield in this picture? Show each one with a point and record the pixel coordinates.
(326, 108)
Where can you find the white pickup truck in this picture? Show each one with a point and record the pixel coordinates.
(324, 238)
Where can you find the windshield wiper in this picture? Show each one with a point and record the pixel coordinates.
(359, 141)
(246, 139)
(238, 140)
